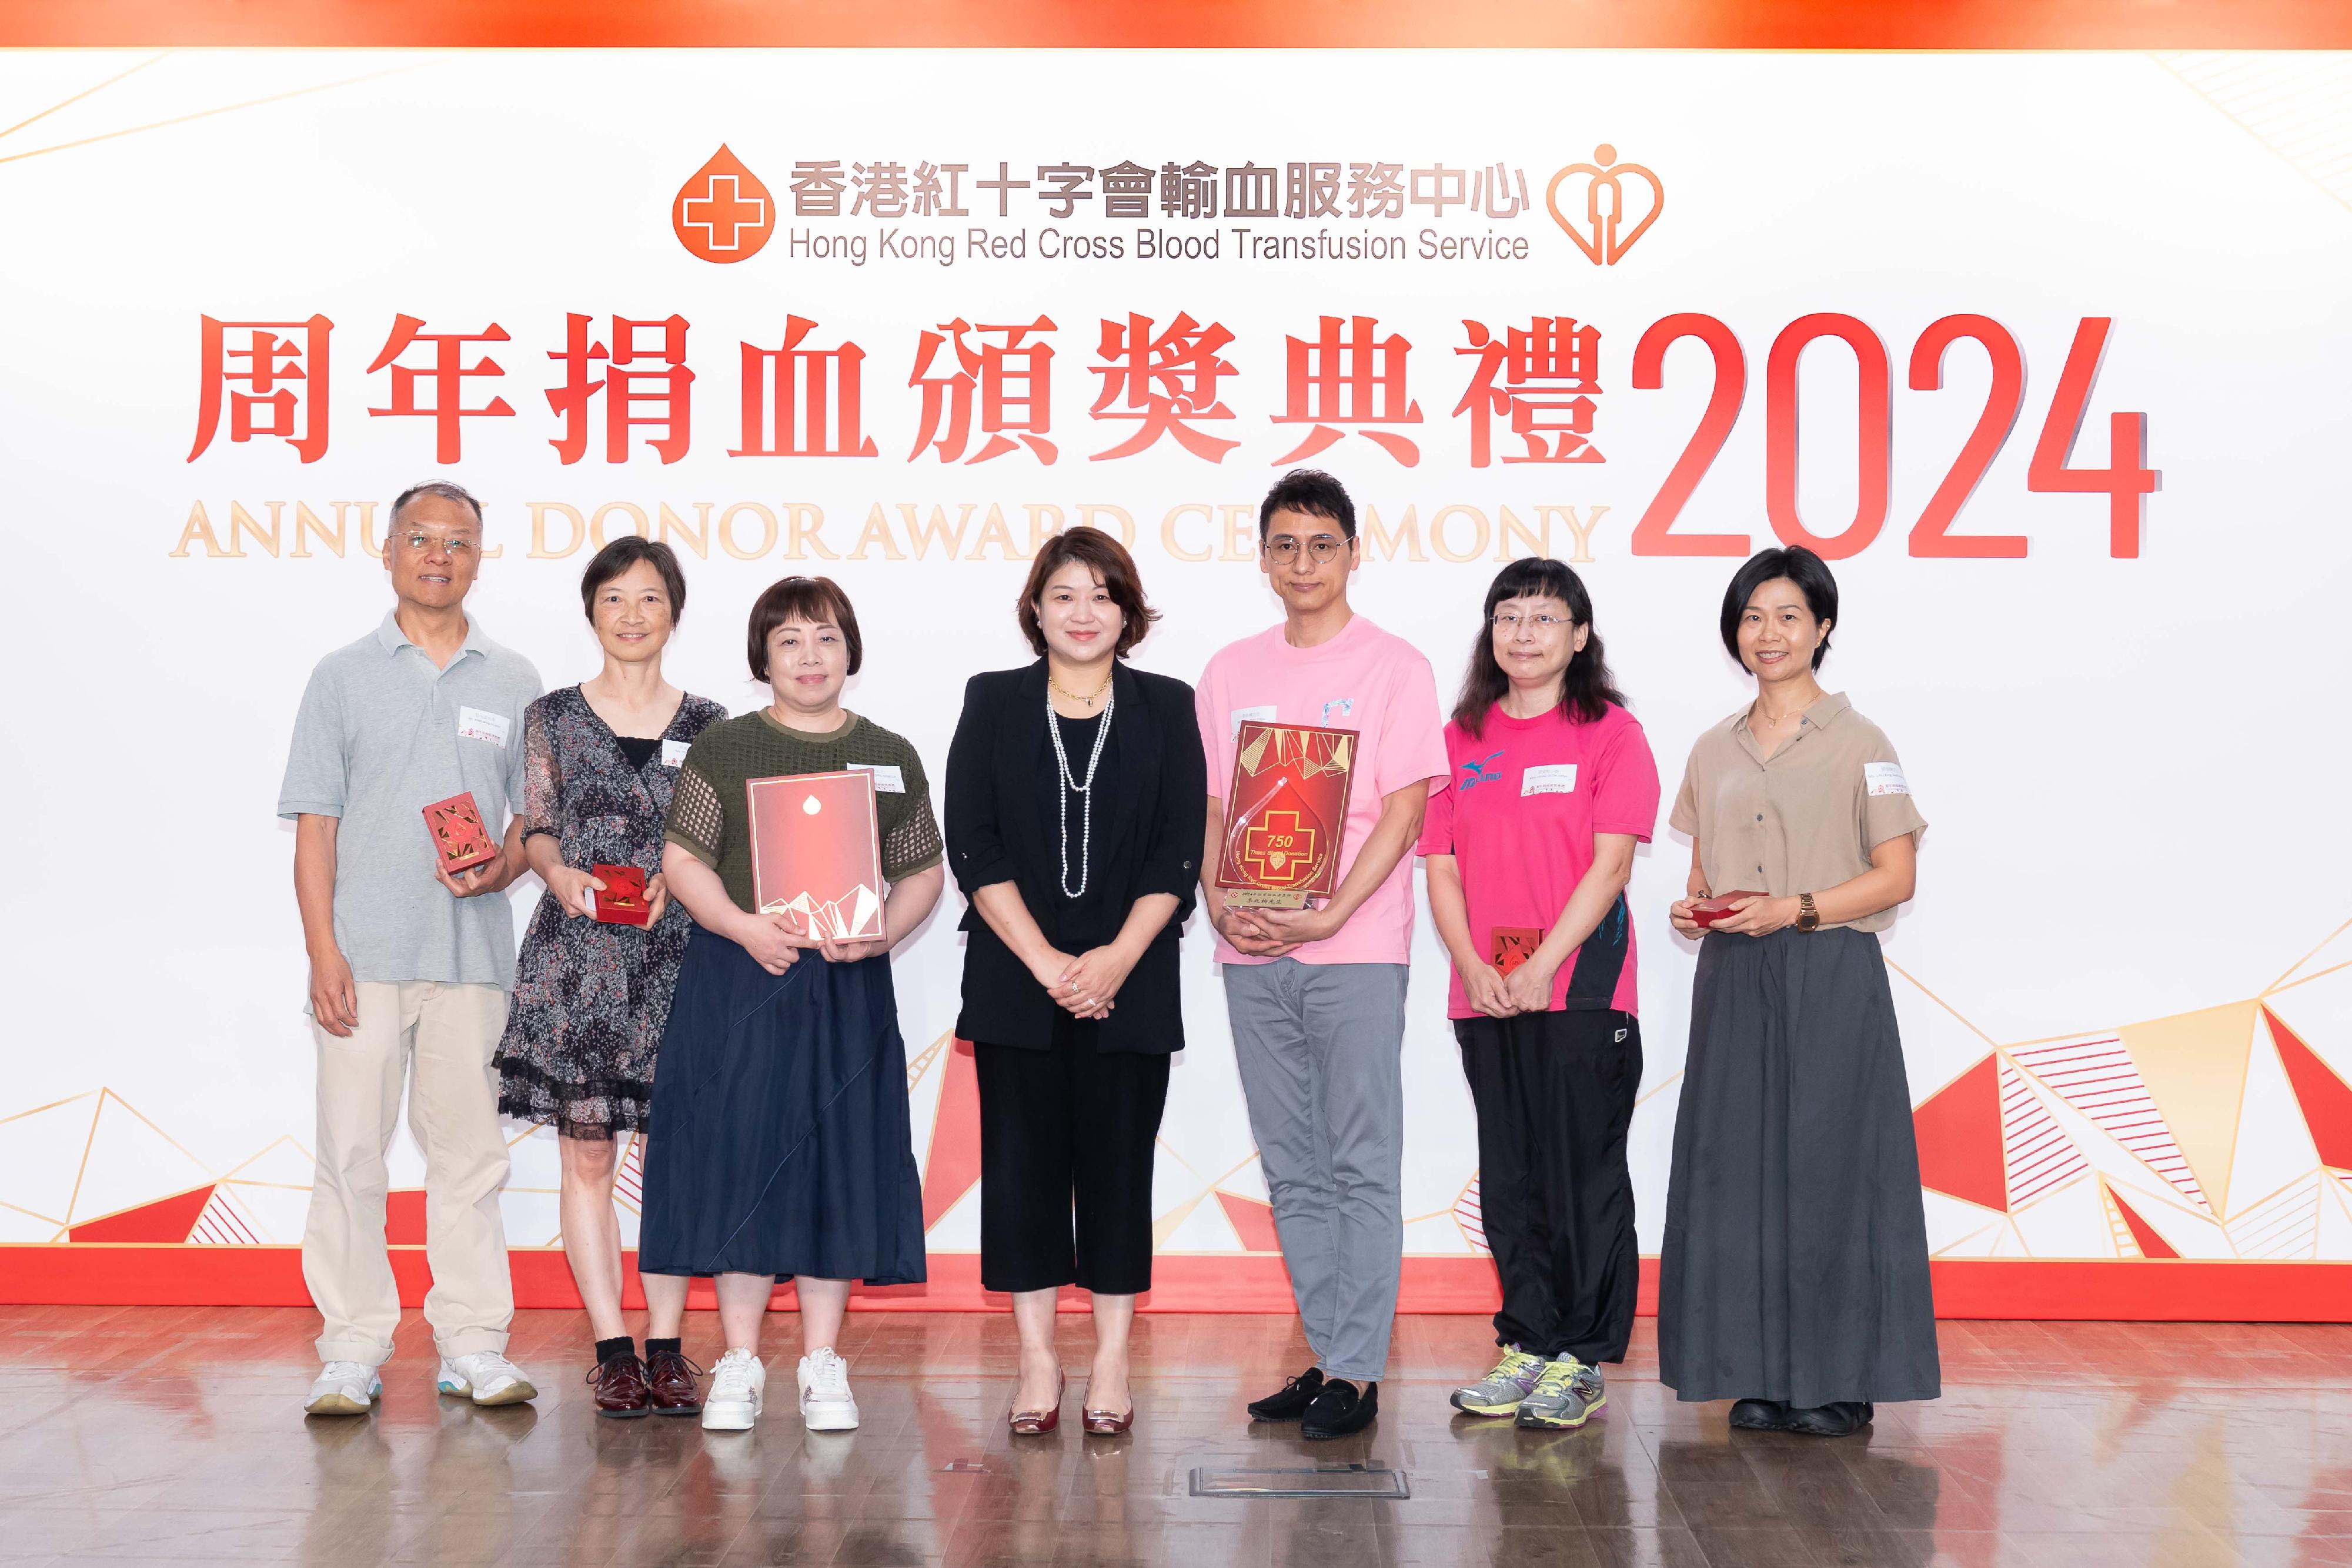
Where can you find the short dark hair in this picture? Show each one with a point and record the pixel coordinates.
(447, 489)
(1313, 492)
(1107, 559)
(615, 560)
(1799, 566)
(816, 599)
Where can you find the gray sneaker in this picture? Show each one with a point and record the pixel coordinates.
(1504, 1388)
(1565, 1395)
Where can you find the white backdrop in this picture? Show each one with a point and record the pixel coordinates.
(2132, 766)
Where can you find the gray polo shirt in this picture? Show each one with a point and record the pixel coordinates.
(381, 735)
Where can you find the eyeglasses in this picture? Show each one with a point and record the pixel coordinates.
(1510, 621)
(1326, 549)
(456, 545)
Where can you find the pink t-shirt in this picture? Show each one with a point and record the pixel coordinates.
(1517, 814)
(1365, 680)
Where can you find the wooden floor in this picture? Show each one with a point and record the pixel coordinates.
(175, 1435)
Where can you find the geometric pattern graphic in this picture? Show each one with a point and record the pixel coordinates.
(2221, 1133)
(2224, 1132)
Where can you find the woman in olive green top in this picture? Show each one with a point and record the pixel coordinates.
(780, 1096)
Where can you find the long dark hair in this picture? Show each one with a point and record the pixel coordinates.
(1587, 688)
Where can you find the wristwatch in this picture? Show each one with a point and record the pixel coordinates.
(1807, 917)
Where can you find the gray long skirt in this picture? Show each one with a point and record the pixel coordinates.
(1796, 1248)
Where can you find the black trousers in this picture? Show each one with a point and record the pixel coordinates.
(1555, 1096)
(1065, 1145)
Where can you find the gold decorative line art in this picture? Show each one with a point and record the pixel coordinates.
(204, 1165)
(2267, 145)
(2280, 984)
(82, 1169)
(289, 1139)
(1942, 1003)
(50, 1106)
(43, 1219)
(2304, 981)
(204, 114)
(84, 93)
(1668, 1081)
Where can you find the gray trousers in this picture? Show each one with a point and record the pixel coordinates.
(1320, 1048)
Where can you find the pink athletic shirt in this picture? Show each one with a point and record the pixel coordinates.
(1365, 680)
(1518, 813)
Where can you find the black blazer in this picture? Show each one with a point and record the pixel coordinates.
(1002, 783)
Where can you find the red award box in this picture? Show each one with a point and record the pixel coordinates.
(816, 854)
(1286, 814)
(457, 832)
(1707, 911)
(1512, 946)
(622, 902)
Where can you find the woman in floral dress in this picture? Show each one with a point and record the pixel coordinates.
(590, 996)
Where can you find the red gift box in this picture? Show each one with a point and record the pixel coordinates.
(1707, 911)
(457, 832)
(623, 901)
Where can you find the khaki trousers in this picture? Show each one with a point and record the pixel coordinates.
(439, 1038)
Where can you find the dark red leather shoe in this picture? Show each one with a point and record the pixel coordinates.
(1038, 1423)
(673, 1388)
(621, 1388)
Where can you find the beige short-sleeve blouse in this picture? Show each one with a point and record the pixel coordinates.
(1804, 819)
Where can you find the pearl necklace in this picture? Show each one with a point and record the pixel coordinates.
(1087, 790)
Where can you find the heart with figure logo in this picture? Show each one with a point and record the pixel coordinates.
(1601, 230)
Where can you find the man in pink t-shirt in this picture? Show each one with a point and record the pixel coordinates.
(1317, 996)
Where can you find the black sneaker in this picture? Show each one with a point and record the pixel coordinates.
(1340, 1409)
(1840, 1419)
(1760, 1415)
(1292, 1402)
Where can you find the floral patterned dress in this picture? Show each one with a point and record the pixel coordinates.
(590, 999)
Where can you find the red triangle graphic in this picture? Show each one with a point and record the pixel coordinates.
(2152, 1245)
(952, 1166)
(167, 1219)
(1252, 1221)
(2326, 1102)
(1959, 1129)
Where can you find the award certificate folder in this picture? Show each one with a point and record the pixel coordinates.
(816, 854)
(1286, 814)
(458, 836)
(1512, 946)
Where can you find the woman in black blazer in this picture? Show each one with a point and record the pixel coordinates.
(1075, 798)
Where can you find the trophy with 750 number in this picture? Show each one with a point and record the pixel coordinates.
(1286, 814)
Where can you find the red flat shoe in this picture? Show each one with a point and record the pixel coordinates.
(1038, 1423)
(1108, 1423)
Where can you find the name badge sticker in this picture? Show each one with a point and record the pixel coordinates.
(888, 780)
(473, 724)
(674, 753)
(1555, 779)
(1242, 715)
(1883, 778)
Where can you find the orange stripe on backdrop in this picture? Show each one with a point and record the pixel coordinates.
(2174, 1292)
(1187, 24)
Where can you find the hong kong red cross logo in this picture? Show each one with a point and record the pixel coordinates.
(723, 212)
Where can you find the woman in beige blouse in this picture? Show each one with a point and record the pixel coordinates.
(1794, 1278)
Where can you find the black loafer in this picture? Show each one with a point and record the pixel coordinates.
(1291, 1404)
(1760, 1416)
(1340, 1409)
(1840, 1419)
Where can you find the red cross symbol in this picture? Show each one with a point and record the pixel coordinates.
(723, 212)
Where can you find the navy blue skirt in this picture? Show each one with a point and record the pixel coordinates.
(778, 1142)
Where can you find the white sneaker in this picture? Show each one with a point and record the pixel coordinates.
(343, 1388)
(488, 1377)
(825, 1402)
(737, 1384)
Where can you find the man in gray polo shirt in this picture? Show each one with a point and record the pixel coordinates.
(410, 965)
